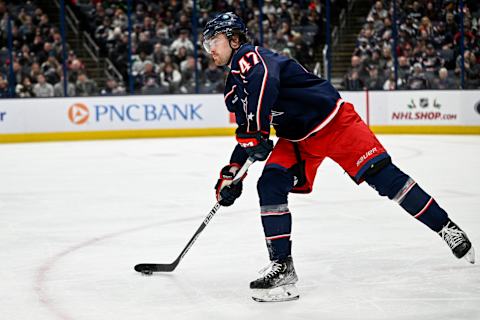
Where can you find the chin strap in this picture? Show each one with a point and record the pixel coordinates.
(233, 52)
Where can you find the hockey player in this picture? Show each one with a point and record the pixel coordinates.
(312, 122)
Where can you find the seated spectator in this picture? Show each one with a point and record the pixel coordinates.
(162, 34)
(431, 59)
(374, 81)
(120, 19)
(374, 58)
(386, 60)
(357, 65)
(85, 87)
(182, 23)
(182, 41)
(404, 70)
(441, 38)
(43, 55)
(50, 68)
(390, 82)
(112, 88)
(180, 56)
(409, 28)
(189, 64)
(431, 12)
(152, 87)
(139, 63)
(4, 90)
(35, 71)
(58, 87)
(27, 29)
(451, 26)
(57, 44)
(472, 72)
(159, 53)
(42, 88)
(418, 80)
(213, 79)
(352, 82)
(144, 44)
(415, 11)
(25, 89)
(427, 26)
(170, 78)
(75, 68)
(148, 73)
(18, 73)
(279, 42)
(187, 68)
(363, 49)
(44, 25)
(443, 82)
(379, 10)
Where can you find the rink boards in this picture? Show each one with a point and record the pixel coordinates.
(83, 118)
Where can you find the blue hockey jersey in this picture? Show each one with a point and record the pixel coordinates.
(264, 88)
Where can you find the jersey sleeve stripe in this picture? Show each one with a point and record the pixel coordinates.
(230, 92)
(262, 90)
(324, 122)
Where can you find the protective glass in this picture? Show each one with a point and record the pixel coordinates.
(212, 42)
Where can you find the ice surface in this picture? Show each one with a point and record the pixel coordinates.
(77, 216)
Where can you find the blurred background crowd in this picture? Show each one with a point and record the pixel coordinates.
(154, 47)
(428, 47)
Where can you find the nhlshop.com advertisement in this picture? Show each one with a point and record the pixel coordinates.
(430, 108)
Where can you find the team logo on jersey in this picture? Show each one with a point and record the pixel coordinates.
(275, 114)
(78, 113)
(247, 61)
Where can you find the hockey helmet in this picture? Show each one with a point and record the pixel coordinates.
(222, 23)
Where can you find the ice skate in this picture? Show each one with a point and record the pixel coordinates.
(277, 284)
(458, 242)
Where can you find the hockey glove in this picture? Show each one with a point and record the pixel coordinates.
(225, 191)
(256, 145)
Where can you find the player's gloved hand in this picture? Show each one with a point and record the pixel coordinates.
(225, 191)
(256, 145)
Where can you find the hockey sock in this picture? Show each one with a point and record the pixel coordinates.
(421, 205)
(390, 181)
(273, 188)
(277, 226)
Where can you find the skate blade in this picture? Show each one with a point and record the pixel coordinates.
(279, 294)
(470, 256)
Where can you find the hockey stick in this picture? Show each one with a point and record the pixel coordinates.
(149, 268)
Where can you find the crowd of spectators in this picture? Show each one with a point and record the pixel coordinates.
(163, 45)
(37, 51)
(428, 50)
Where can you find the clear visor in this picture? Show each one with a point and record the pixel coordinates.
(208, 44)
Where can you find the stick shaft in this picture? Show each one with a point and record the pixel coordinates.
(159, 267)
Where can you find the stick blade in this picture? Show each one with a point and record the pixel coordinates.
(149, 268)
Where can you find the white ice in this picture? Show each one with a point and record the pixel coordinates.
(77, 216)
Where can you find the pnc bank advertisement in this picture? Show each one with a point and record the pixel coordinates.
(114, 113)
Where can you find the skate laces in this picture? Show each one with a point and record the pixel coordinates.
(452, 235)
(272, 269)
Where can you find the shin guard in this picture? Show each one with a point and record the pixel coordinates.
(396, 185)
(273, 188)
(277, 226)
